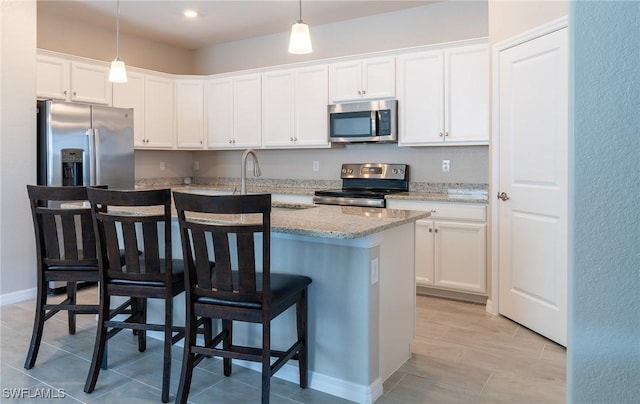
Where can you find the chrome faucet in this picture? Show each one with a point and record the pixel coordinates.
(243, 171)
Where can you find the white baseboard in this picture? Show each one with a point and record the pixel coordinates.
(326, 384)
(19, 296)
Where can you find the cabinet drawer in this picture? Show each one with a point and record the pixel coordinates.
(443, 210)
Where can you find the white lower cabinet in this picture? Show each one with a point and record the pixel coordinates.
(451, 246)
(451, 255)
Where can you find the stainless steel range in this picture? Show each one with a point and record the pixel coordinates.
(366, 184)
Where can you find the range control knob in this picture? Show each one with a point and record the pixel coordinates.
(350, 171)
(344, 171)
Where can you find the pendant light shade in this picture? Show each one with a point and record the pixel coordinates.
(300, 41)
(118, 72)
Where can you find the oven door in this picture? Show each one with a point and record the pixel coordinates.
(348, 201)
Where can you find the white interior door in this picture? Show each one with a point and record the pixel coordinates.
(533, 161)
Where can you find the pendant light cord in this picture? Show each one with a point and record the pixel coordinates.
(118, 29)
(300, 8)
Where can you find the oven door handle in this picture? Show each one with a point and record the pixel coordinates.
(339, 200)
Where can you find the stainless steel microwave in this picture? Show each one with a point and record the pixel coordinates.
(370, 121)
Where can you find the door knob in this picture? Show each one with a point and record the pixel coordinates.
(503, 196)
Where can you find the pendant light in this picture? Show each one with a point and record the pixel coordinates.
(300, 41)
(118, 72)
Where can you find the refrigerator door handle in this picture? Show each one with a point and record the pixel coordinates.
(92, 157)
(96, 146)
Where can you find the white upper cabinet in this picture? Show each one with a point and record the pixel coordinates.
(131, 95)
(294, 107)
(420, 97)
(190, 113)
(467, 94)
(233, 112)
(52, 78)
(151, 97)
(68, 80)
(159, 112)
(362, 79)
(443, 97)
(90, 83)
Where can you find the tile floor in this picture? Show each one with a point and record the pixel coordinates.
(461, 354)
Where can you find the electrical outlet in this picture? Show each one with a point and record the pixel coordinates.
(196, 165)
(375, 271)
(249, 165)
(446, 166)
(162, 166)
(316, 165)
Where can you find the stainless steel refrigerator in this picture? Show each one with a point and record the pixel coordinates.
(85, 144)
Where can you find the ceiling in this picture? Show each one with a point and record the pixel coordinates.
(219, 21)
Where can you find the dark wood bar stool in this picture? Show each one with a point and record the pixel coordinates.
(142, 219)
(66, 252)
(235, 293)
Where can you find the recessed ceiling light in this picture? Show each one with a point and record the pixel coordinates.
(190, 13)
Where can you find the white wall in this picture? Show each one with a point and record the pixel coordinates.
(17, 145)
(509, 18)
(436, 23)
(81, 38)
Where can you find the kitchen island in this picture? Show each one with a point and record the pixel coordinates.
(361, 300)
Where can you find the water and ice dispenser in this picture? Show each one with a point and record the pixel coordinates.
(72, 166)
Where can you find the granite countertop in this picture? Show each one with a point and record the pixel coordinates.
(340, 222)
(459, 193)
(334, 222)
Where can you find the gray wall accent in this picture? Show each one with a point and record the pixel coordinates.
(177, 163)
(603, 360)
(468, 163)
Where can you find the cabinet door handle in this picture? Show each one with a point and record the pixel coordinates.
(441, 134)
(430, 229)
(446, 134)
(65, 92)
(435, 230)
(364, 92)
(74, 93)
(359, 92)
